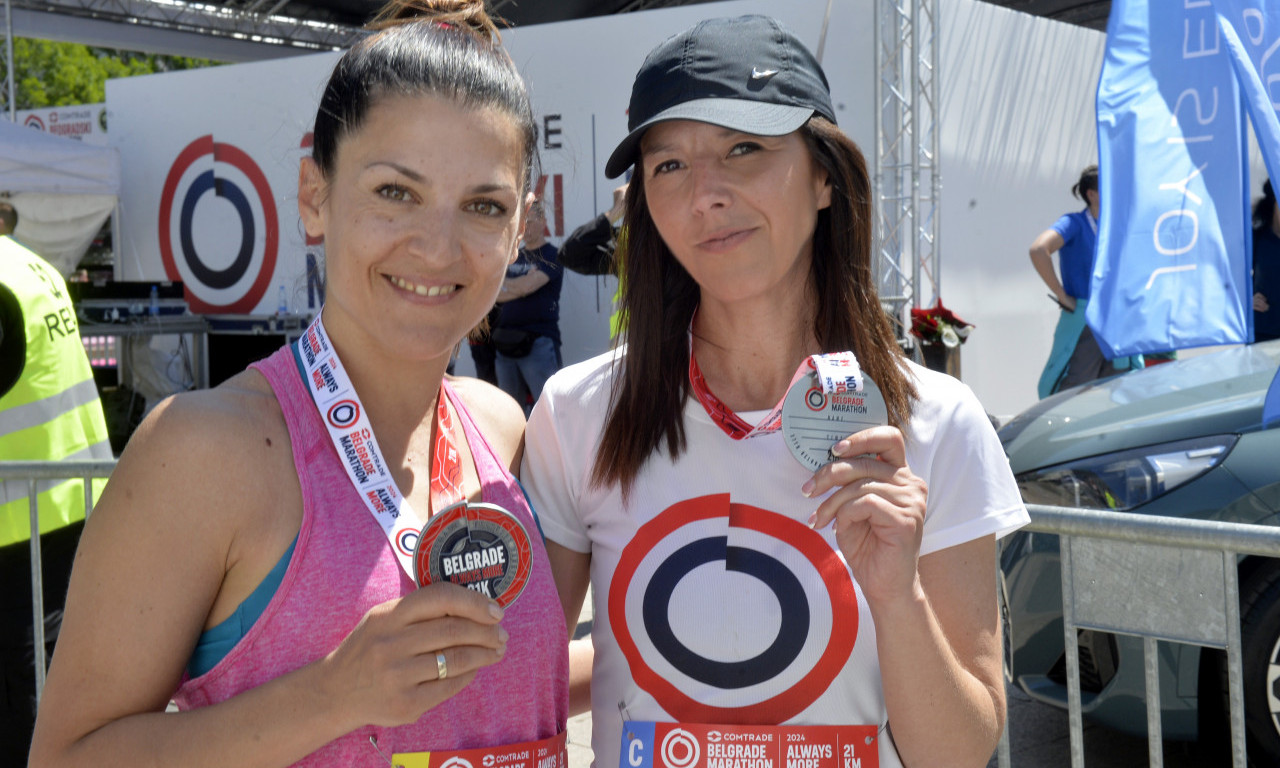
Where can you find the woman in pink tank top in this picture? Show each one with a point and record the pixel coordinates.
(287, 505)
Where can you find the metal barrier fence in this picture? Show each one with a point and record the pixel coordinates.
(35, 473)
(1110, 562)
(1158, 578)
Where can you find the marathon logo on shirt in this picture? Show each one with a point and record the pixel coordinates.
(355, 448)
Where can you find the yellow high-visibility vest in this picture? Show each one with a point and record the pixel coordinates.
(52, 413)
(619, 252)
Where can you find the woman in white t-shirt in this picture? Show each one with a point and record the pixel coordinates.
(738, 592)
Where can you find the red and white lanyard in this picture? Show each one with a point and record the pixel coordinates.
(349, 429)
(837, 372)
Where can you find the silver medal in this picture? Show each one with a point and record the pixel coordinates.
(813, 421)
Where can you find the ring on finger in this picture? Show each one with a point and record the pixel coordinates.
(442, 667)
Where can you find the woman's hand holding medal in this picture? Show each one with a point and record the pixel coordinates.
(877, 509)
(387, 671)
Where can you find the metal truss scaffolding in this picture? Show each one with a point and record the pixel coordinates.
(250, 21)
(907, 178)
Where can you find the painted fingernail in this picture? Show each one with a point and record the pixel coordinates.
(496, 611)
(807, 488)
(813, 518)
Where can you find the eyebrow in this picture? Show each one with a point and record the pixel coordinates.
(420, 179)
(646, 147)
(412, 174)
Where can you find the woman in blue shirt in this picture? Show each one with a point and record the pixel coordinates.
(1076, 357)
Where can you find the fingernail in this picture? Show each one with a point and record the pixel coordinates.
(496, 611)
(813, 518)
(503, 635)
(840, 447)
(807, 488)
(501, 650)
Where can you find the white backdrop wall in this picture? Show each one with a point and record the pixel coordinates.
(1017, 105)
(1016, 128)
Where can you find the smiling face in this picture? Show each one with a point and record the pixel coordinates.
(421, 215)
(738, 211)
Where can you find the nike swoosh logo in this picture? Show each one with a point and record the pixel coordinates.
(756, 74)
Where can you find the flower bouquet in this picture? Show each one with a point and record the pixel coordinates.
(939, 325)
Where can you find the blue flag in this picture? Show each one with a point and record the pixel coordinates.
(1173, 262)
(1251, 31)
(1251, 34)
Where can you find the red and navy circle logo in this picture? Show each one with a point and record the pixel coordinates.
(407, 541)
(344, 413)
(815, 399)
(219, 232)
(742, 571)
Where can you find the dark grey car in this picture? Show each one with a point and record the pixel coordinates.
(1183, 439)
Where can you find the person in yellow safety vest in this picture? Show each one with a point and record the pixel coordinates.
(49, 411)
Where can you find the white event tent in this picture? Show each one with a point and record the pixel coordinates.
(62, 189)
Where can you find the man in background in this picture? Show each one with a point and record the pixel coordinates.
(596, 248)
(526, 336)
(49, 411)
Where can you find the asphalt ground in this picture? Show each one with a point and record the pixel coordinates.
(1039, 737)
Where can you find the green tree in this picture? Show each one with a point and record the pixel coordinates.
(54, 74)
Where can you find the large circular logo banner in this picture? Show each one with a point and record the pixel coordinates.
(218, 228)
(728, 613)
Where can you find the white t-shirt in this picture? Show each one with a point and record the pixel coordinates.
(714, 600)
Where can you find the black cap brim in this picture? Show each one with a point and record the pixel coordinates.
(756, 117)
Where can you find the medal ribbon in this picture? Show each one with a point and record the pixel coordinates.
(837, 372)
(344, 417)
(446, 464)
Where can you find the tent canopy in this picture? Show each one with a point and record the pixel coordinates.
(63, 190)
(35, 161)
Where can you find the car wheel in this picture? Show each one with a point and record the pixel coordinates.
(1260, 644)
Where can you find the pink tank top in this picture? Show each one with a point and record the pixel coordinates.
(342, 566)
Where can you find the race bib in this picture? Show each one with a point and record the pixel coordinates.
(547, 753)
(696, 745)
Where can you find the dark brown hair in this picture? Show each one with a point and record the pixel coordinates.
(8, 218)
(448, 48)
(651, 382)
(1088, 181)
(1264, 210)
